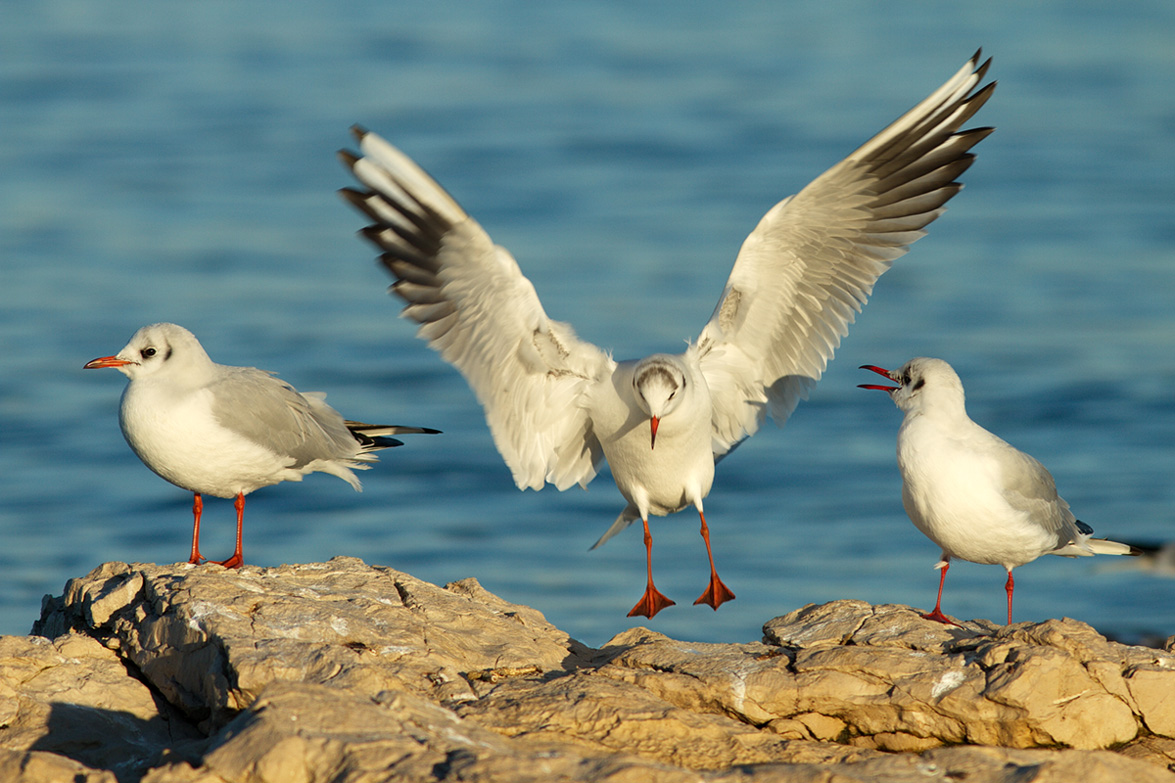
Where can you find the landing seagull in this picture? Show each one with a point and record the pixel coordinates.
(557, 405)
(970, 492)
(225, 431)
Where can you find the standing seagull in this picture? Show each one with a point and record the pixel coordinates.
(557, 405)
(226, 431)
(970, 492)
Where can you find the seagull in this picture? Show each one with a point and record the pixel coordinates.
(557, 405)
(977, 497)
(225, 431)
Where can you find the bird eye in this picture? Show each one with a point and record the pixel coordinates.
(148, 353)
(673, 394)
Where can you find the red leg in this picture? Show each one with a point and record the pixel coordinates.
(237, 560)
(652, 601)
(197, 510)
(937, 614)
(717, 593)
(1009, 586)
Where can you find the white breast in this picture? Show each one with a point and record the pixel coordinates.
(679, 471)
(175, 434)
(952, 491)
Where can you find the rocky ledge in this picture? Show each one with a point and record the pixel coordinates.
(345, 672)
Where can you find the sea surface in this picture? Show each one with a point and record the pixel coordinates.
(176, 161)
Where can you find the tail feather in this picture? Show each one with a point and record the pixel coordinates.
(626, 518)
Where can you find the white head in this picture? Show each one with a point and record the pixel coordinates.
(920, 382)
(158, 350)
(658, 383)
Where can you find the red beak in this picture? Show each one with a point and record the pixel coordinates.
(879, 371)
(104, 361)
(653, 424)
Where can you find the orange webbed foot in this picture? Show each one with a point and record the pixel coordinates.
(716, 594)
(236, 561)
(939, 617)
(651, 603)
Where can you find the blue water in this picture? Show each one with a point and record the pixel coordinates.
(175, 161)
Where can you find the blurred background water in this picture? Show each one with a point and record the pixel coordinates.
(175, 161)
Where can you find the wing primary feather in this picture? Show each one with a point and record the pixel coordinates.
(810, 265)
(931, 182)
(409, 270)
(473, 305)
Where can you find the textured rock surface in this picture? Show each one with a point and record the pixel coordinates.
(344, 672)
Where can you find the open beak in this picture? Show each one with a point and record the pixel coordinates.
(105, 361)
(879, 371)
(653, 424)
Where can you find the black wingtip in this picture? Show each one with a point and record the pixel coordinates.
(362, 433)
(355, 198)
(1145, 547)
(358, 200)
(980, 97)
(358, 131)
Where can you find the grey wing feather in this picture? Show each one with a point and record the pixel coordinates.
(273, 414)
(811, 263)
(1029, 487)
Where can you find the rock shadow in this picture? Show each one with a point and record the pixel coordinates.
(123, 743)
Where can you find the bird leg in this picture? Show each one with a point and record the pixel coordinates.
(652, 601)
(197, 510)
(937, 614)
(237, 560)
(717, 593)
(1009, 586)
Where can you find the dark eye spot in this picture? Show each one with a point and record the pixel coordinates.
(906, 379)
(148, 353)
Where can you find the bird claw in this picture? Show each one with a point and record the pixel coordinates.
(651, 603)
(716, 594)
(236, 561)
(939, 617)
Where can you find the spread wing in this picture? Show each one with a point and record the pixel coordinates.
(532, 375)
(809, 266)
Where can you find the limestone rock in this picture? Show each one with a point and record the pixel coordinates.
(210, 639)
(345, 672)
(889, 676)
(41, 767)
(73, 698)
